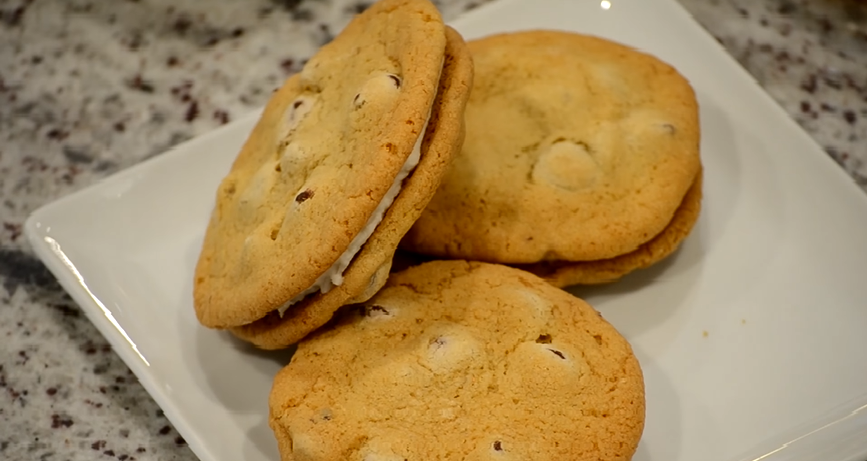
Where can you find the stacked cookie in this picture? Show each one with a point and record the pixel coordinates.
(581, 162)
(345, 157)
(514, 165)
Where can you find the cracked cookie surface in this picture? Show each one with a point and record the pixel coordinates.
(320, 160)
(458, 360)
(577, 149)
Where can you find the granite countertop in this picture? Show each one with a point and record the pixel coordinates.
(89, 88)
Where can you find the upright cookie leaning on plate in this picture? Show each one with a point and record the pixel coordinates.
(578, 150)
(461, 361)
(343, 159)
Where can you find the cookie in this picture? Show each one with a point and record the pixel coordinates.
(321, 166)
(369, 270)
(577, 149)
(464, 361)
(565, 273)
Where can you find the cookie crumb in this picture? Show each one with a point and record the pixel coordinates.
(705, 333)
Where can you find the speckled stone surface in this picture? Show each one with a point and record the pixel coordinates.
(88, 88)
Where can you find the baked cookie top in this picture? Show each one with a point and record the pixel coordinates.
(577, 148)
(457, 360)
(325, 152)
(369, 270)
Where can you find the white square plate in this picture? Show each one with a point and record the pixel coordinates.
(752, 336)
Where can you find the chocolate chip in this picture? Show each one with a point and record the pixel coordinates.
(396, 80)
(439, 341)
(304, 196)
(544, 339)
(375, 308)
(498, 446)
(165, 430)
(558, 353)
(297, 104)
(598, 339)
(850, 117)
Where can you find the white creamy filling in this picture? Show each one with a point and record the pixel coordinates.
(334, 275)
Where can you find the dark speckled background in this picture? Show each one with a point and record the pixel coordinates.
(90, 87)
